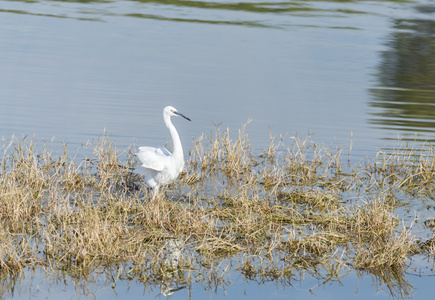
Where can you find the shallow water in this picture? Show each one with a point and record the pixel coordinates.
(344, 72)
(41, 286)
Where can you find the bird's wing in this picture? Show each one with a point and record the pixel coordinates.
(159, 150)
(153, 158)
(164, 151)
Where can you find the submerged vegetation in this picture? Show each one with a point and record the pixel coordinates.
(279, 215)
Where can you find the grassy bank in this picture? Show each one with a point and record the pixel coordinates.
(295, 209)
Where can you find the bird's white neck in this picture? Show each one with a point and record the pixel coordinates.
(178, 149)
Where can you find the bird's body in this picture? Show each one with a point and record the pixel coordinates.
(159, 166)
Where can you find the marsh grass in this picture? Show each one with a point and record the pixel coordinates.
(283, 214)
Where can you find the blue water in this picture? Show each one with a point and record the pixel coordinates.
(39, 286)
(304, 72)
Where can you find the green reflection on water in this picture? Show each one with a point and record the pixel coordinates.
(310, 8)
(405, 96)
(155, 17)
(22, 12)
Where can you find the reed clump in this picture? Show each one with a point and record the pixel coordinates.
(273, 216)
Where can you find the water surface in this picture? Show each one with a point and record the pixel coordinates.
(72, 69)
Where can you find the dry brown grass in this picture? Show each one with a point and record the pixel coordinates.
(289, 211)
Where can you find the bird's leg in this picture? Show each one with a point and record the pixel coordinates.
(155, 192)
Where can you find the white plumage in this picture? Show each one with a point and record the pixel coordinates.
(159, 166)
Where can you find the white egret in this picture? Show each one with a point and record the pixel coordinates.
(159, 166)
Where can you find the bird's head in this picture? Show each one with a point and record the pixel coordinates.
(172, 112)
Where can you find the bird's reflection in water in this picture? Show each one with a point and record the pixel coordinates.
(169, 290)
(174, 249)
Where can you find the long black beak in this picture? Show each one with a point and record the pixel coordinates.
(181, 115)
